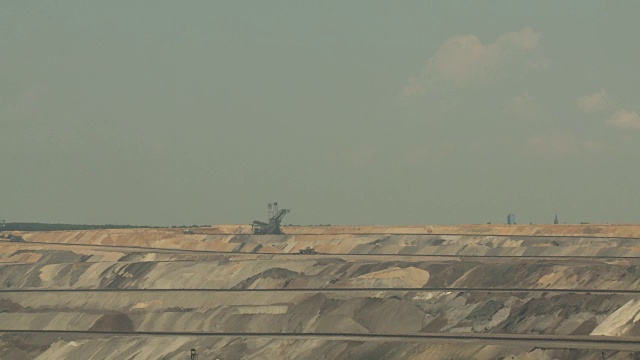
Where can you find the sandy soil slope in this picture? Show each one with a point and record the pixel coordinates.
(421, 292)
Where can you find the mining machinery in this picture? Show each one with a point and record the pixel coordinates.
(308, 250)
(15, 238)
(272, 227)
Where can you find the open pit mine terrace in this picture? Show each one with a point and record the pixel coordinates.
(413, 292)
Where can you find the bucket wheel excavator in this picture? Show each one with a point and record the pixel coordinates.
(272, 227)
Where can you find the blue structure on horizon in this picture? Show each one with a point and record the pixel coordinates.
(511, 219)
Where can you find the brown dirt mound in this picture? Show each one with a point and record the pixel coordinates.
(9, 306)
(118, 322)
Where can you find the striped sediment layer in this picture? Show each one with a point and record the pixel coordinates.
(354, 243)
(523, 292)
(595, 230)
(273, 272)
(352, 311)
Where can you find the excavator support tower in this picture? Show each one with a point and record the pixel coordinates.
(272, 227)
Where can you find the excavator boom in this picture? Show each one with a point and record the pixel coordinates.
(273, 226)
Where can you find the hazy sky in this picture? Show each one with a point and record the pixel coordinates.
(347, 112)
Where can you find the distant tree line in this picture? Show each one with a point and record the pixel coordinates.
(20, 226)
(187, 226)
(60, 227)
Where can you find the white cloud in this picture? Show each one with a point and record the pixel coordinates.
(463, 59)
(624, 119)
(521, 105)
(562, 145)
(594, 103)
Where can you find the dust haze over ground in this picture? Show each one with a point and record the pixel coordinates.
(436, 292)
